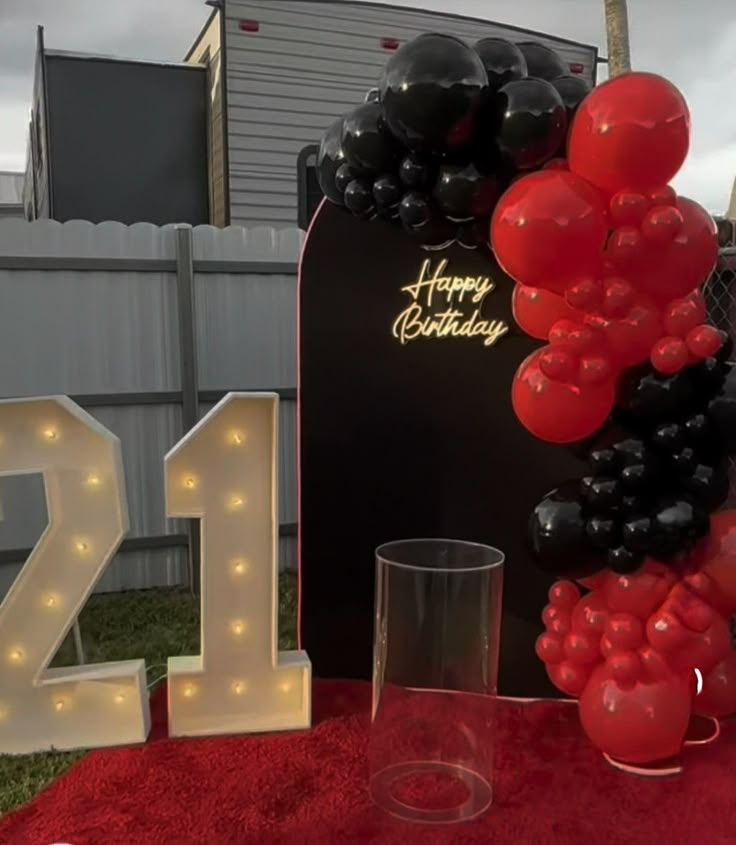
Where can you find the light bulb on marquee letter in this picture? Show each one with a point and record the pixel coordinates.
(240, 682)
(85, 527)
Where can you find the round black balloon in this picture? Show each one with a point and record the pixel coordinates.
(542, 61)
(708, 377)
(624, 561)
(330, 158)
(604, 461)
(431, 90)
(437, 233)
(708, 485)
(373, 96)
(503, 61)
(637, 534)
(557, 535)
(637, 478)
(725, 353)
(415, 172)
(631, 451)
(415, 210)
(604, 495)
(387, 192)
(532, 122)
(573, 90)
(670, 438)
(343, 177)
(722, 410)
(359, 198)
(603, 532)
(474, 234)
(685, 461)
(647, 399)
(369, 147)
(677, 525)
(462, 192)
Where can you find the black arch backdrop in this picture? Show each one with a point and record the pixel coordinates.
(407, 430)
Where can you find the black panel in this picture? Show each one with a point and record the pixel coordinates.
(128, 141)
(401, 441)
(309, 193)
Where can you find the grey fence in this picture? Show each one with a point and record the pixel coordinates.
(147, 328)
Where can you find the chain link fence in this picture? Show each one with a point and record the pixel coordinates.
(720, 297)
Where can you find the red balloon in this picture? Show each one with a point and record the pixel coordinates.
(536, 310)
(595, 369)
(618, 297)
(662, 224)
(625, 667)
(584, 294)
(556, 164)
(639, 723)
(627, 208)
(704, 341)
(639, 594)
(630, 339)
(549, 230)
(549, 648)
(719, 557)
(561, 330)
(564, 594)
(569, 677)
(632, 132)
(591, 612)
(670, 355)
(556, 411)
(582, 649)
(683, 315)
(625, 631)
(625, 246)
(664, 195)
(676, 269)
(717, 698)
(558, 364)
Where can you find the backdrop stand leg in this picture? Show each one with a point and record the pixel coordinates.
(78, 645)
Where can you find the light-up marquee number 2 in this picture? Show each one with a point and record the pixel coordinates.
(224, 472)
(70, 707)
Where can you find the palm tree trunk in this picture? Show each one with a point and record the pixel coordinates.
(617, 30)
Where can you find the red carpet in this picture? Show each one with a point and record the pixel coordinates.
(551, 787)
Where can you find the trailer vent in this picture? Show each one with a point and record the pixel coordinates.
(390, 43)
(249, 26)
(576, 67)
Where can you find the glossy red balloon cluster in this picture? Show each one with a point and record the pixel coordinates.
(644, 652)
(608, 260)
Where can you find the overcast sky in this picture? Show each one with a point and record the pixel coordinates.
(692, 42)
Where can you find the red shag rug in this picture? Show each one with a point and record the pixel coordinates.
(551, 787)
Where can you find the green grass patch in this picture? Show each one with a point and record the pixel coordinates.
(153, 624)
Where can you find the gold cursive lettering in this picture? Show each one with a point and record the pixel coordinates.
(434, 311)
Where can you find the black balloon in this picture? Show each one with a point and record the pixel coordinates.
(604, 461)
(725, 353)
(532, 122)
(573, 90)
(677, 525)
(436, 233)
(722, 410)
(431, 90)
(708, 377)
(624, 561)
(631, 451)
(359, 198)
(474, 234)
(542, 61)
(415, 210)
(708, 485)
(685, 461)
(638, 533)
(387, 192)
(604, 495)
(558, 537)
(647, 399)
(415, 172)
(369, 147)
(503, 61)
(343, 177)
(670, 438)
(637, 478)
(463, 192)
(603, 533)
(329, 160)
(373, 96)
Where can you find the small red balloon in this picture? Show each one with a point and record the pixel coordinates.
(549, 649)
(719, 558)
(631, 338)
(591, 612)
(582, 649)
(704, 341)
(662, 224)
(584, 294)
(632, 132)
(564, 594)
(639, 594)
(717, 698)
(556, 411)
(618, 297)
(664, 195)
(558, 364)
(549, 230)
(624, 246)
(624, 666)
(642, 723)
(627, 208)
(561, 330)
(670, 355)
(569, 677)
(536, 310)
(684, 315)
(595, 369)
(625, 631)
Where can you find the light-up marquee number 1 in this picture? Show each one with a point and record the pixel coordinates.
(224, 472)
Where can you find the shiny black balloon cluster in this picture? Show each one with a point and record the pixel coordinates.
(445, 133)
(656, 474)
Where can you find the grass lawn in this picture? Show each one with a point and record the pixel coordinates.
(153, 624)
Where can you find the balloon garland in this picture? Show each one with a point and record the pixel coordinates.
(446, 132)
(498, 146)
